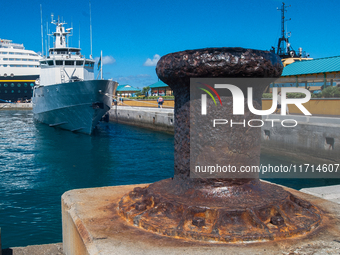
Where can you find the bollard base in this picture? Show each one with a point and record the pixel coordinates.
(92, 225)
(251, 211)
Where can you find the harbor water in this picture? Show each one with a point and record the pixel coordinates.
(38, 164)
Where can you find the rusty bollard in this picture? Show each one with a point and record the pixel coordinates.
(217, 209)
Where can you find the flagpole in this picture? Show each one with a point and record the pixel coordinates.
(101, 67)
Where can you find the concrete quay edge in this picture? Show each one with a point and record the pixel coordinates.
(91, 225)
(16, 106)
(331, 193)
(43, 249)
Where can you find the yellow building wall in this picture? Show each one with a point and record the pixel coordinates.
(314, 106)
(148, 103)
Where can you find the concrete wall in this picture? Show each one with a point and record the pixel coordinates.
(154, 118)
(13, 106)
(148, 103)
(314, 136)
(320, 106)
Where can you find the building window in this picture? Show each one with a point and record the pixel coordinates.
(59, 62)
(12, 85)
(5, 85)
(25, 84)
(32, 84)
(19, 91)
(19, 85)
(12, 91)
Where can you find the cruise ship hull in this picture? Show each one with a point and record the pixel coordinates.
(75, 106)
(17, 87)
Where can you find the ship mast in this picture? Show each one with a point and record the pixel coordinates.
(60, 34)
(283, 48)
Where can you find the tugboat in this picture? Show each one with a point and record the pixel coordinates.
(287, 54)
(67, 95)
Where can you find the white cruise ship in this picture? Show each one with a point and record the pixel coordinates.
(19, 69)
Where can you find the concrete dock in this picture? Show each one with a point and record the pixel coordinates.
(91, 225)
(330, 193)
(16, 106)
(316, 136)
(160, 119)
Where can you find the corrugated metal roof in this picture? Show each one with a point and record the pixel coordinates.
(126, 88)
(319, 65)
(158, 84)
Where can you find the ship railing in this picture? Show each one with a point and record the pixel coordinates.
(8, 43)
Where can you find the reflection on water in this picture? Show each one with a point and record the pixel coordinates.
(38, 164)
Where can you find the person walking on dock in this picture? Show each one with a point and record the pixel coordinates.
(279, 104)
(160, 102)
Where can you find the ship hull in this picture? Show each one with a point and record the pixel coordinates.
(75, 106)
(17, 87)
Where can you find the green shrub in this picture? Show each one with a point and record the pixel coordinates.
(296, 95)
(150, 98)
(267, 95)
(330, 92)
(289, 95)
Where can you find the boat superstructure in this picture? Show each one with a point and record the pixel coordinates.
(19, 70)
(68, 96)
(284, 49)
(64, 64)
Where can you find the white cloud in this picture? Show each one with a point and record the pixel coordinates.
(152, 62)
(107, 60)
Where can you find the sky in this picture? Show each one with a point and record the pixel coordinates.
(133, 35)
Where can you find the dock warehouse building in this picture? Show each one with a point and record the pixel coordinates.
(160, 89)
(311, 74)
(314, 75)
(126, 90)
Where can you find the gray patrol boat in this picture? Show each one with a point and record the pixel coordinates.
(67, 95)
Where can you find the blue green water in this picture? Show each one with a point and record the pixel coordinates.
(38, 164)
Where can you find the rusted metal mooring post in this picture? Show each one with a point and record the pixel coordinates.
(218, 209)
